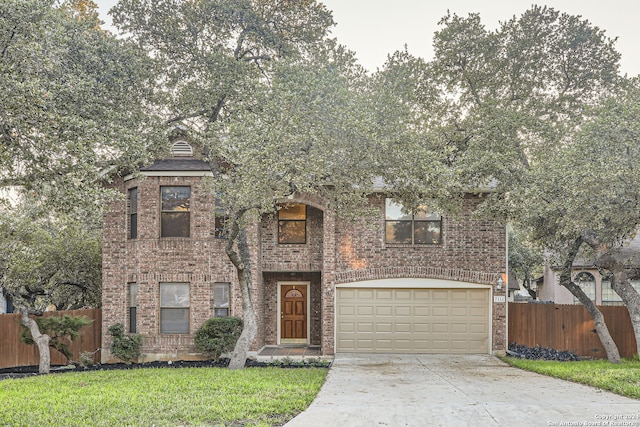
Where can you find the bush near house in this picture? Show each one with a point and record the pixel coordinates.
(218, 335)
(124, 347)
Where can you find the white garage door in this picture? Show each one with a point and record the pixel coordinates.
(390, 320)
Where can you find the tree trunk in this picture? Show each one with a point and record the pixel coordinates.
(622, 286)
(241, 260)
(634, 315)
(610, 347)
(605, 258)
(41, 340)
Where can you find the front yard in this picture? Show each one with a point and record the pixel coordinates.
(622, 379)
(160, 397)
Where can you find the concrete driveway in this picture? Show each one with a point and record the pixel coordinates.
(456, 390)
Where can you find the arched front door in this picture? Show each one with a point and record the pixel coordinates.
(293, 313)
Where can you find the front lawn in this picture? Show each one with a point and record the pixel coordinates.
(623, 379)
(160, 397)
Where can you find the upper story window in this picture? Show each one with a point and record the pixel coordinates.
(587, 283)
(174, 217)
(133, 213)
(419, 228)
(292, 223)
(221, 219)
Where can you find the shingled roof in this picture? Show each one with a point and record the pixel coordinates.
(177, 164)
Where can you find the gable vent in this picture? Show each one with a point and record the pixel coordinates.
(181, 149)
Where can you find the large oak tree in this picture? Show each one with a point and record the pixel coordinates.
(76, 105)
(278, 107)
(511, 99)
(586, 195)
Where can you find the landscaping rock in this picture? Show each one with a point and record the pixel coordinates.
(540, 353)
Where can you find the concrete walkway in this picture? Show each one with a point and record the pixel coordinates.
(456, 390)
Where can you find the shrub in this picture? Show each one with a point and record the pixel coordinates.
(86, 359)
(218, 335)
(61, 331)
(124, 347)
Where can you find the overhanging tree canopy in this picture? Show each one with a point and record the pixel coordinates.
(76, 102)
(276, 105)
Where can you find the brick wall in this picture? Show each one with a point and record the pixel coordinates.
(472, 251)
(336, 251)
(150, 260)
(468, 245)
(292, 257)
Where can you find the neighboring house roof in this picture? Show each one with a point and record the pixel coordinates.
(512, 282)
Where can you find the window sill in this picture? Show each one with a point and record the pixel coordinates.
(413, 245)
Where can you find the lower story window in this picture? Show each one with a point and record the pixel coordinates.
(221, 299)
(174, 308)
(133, 307)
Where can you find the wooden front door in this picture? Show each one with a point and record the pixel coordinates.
(293, 313)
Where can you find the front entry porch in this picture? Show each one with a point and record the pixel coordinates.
(292, 312)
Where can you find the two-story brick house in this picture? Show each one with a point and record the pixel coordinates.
(418, 283)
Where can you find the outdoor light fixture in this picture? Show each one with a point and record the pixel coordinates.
(500, 283)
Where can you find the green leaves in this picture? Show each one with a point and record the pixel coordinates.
(516, 92)
(75, 103)
(125, 347)
(218, 335)
(61, 331)
(44, 262)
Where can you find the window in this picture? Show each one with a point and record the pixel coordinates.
(608, 294)
(133, 307)
(133, 213)
(587, 283)
(221, 218)
(174, 308)
(292, 223)
(419, 228)
(175, 220)
(221, 299)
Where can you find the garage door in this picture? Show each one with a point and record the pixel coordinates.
(389, 320)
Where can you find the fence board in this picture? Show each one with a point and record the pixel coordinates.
(14, 352)
(569, 327)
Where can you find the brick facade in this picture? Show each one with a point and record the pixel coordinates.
(336, 251)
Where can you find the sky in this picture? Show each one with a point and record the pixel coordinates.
(376, 28)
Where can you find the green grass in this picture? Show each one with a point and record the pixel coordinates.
(622, 379)
(160, 397)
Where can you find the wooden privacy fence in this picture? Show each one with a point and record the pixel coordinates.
(569, 327)
(13, 352)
